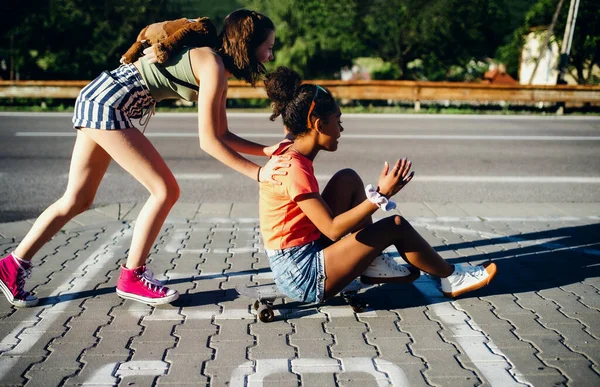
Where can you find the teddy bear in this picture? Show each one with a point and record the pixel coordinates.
(170, 36)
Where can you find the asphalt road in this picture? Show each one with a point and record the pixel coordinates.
(456, 158)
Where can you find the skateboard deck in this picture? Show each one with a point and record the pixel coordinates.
(265, 295)
(261, 292)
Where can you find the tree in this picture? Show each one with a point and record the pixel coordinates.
(315, 37)
(440, 33)
(74, 39)
(215, 10)
(585, 49)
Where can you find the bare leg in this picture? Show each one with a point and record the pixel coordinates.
(88, 165)
(136, 154)
(344, 191)
(91, 157)
(349, 257)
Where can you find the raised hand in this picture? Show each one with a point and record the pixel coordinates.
(392, 181)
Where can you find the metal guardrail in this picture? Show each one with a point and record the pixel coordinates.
(359, 90)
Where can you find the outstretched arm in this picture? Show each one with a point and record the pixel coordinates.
(213, 86)
(234, 141)
(211, 113)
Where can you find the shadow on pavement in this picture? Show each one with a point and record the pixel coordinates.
(544, 260)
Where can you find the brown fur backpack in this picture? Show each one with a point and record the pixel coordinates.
(171, 36)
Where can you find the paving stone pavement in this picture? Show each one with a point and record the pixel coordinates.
(537, 324)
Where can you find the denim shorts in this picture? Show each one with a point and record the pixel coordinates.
(112, 100)
(299, 271)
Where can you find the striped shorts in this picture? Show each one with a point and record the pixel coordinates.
(112, 100)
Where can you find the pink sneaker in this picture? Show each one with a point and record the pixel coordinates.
(12, 281)
(134, 285)
(149, 275)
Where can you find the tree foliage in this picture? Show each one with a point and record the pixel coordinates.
(585, 49)
(416, 39)
(441, 33)
(77, 39)
(315, 37)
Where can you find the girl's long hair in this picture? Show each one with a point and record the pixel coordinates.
(243, 32)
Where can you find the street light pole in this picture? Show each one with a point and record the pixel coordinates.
(566, 43)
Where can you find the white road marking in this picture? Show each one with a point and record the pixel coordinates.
(243, 376)
(108, 374)
(176, 240)
(45, 134)
(434, 137)
(417, 178)
(510, 179)
(198, 176)
(498, 179)
(28, 335)
(191, 251)
(483, 117)
(489, 360)
(439, 219)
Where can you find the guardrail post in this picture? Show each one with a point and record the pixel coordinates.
(417, 98)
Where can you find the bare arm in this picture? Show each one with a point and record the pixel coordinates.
(234, 141)
(334, 228)
(319, 213)
(211, 110)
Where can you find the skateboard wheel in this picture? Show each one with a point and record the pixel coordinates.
(265, 314)
(256, 305)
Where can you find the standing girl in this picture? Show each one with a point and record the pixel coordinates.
(103, 118)
(318, 243)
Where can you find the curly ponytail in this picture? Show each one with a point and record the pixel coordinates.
(291, 99)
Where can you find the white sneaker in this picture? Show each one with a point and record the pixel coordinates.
(384, 269)
(467, 278)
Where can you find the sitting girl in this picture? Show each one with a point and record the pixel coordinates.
(306, 233)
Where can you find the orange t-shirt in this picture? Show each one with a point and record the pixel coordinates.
(282, 222)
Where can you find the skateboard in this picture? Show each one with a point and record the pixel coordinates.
(265, 295)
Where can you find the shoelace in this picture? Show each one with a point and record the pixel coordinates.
(149, 276)
(474, 271)
(21, 276)
(152, 286)
(395, 265)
